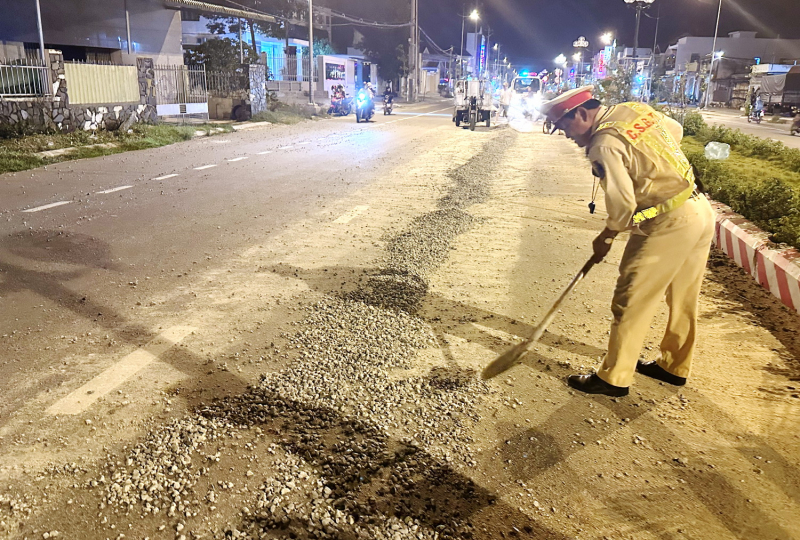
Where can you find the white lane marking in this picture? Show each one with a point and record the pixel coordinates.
(415, 116)
(46, 206)
(264, 152)
(237, 159)
(286, 147)
(350, 215)
(81, 399)
(112, 190)
(303, 142)
(166, 176)
(203, 167)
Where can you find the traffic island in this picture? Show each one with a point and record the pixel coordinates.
(776, 268)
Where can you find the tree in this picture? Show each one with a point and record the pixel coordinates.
(217, 55)
(387, 47)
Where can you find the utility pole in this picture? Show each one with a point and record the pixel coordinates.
(127, 25)
(413, 53)
(311, 52)
(713, 54)
(241, 45)
(41, 34)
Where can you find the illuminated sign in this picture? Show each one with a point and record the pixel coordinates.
(334, 72)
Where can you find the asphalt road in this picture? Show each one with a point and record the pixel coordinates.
(153, 305)
(735, 119)
(84, 241)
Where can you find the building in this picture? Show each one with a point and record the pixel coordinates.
(688, 60)
(111, 31)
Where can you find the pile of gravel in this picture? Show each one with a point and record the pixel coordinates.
(361, 443)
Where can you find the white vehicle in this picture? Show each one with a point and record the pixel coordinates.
(472, 103)
(527, 96)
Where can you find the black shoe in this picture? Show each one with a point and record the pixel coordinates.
(654, 371)
(592, 384)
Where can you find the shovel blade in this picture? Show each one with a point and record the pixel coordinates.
(506, 360)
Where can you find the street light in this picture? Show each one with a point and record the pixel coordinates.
(560, 60)
(579, 44)
(713, 52)
(474, 16)
(607, 38)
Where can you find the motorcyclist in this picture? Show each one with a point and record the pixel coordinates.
(758, 106)
(388, 94)
(336, 100)
(795, 127)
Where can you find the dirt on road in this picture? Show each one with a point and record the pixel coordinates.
(327, 384)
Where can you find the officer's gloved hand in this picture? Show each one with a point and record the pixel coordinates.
(602, 245)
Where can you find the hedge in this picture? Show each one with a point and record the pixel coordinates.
(760, 180)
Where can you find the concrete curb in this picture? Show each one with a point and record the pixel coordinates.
(777, 270)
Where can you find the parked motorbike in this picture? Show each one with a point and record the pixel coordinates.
(365, 106)
(388, 105)
(755, 116)
(795, 127)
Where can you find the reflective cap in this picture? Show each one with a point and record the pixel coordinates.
(557, 107)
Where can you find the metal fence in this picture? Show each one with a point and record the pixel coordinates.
(24, 78)
(289, 67)
(180, 84)
(225, 83)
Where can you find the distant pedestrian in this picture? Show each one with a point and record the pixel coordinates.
(505, 99)
(649, 190)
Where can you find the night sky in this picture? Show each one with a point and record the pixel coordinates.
(533, 32)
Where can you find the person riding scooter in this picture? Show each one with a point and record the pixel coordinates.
(388, 99)
(757, 111)
(795, 127)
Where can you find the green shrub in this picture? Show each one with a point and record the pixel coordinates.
(693, 123)
(770, 202)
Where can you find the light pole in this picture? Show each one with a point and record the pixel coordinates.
(639, 5)
(39, 28)
(310, 51)
(713, 53)
(474, 16)
(580, 44)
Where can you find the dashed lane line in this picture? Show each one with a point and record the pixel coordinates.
(204, 167)
(350, 215)
(166, 176)
(286, 147)
(82, 398)
(264, 152)
(47, 206)
(237, 159)
(112, 190)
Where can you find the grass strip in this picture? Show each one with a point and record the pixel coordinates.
(18, 153)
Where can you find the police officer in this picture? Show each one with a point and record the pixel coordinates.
(650, 192)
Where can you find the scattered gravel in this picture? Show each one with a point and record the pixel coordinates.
(351, 440)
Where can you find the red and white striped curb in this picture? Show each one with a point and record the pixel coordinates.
(777, 270)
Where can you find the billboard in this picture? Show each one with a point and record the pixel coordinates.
(334, 72)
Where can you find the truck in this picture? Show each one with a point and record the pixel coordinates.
(781, 93)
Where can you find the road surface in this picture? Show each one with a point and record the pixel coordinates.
(736, 120)
(277, 333)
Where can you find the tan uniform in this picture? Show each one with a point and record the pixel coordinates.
(634, 150)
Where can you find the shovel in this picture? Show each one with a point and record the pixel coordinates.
(506, 360)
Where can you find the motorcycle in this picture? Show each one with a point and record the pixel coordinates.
(365, 106)
(755, 116)
(388, 105)
(795, 127)
(342, 107)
